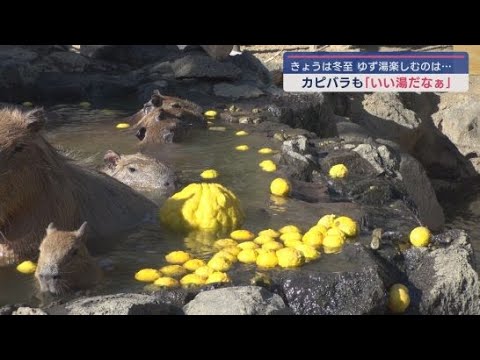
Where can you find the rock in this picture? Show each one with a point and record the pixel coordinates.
(443, 281)
(134, 55)
(349, 131)
(311, 112)
(175, 297)
(29, 311)
(460, 122)
(357, 290)
(421, 192)
(68, 61)
(7, 310)
(145, 91)
(204, 67)
(245, 120)
(253, 70)
(385, 115)
(242, 300)
(218, 52)
(298, 156)
(120, 304)
(235, 92)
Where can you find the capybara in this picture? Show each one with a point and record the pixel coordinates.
(64, 263)
(166, 119)
(141, 172)
(39, 185)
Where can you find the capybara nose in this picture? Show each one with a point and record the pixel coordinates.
(141, 133)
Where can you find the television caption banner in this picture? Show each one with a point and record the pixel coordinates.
(375, 72)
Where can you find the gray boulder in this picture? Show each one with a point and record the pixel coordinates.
(443, 281)
(204, 67)
(235, 92)
(242, 300)
(120, 304)
(29, 311)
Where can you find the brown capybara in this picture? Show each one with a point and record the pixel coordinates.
(141, 172)
(39, 185)
(64, 263)
(166, 119)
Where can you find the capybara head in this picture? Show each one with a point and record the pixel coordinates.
(141, 172)
(165, 119)
(65, 264)
(23, 154)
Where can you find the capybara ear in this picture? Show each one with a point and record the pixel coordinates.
(157, 99)
(35, 120)
(111, 158)
(81, 230)
(51, 228)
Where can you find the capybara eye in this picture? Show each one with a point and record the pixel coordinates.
(75, 252)
(18, 148)
(141, 133)
(131, 169)
(167, 184)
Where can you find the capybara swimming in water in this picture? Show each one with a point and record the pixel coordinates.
(141, 172)
(166, 119)
(64, 263)
(38, 185)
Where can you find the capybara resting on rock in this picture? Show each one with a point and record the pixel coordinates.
(166, 119)
(64, 263)
(141, 172)
(39, 185)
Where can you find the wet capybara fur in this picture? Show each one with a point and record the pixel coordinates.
(64, 264)
(141, 172)
(166, 119)
(39, 185)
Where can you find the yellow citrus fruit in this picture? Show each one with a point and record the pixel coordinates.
(223, 243)
(27, 267)
(327, 221)
(332, 244)
(147, 275)
(268, 166)
(242, 235)
(194, 264)
(336, 232)
(267, 260)
(280, 187)
(241, 133)
(265, 151)
(27, 104)
(272, 245)
(220, 263)
(167, 282)
(242, 148)
(420, 236)
(248, 256)
(85, 104)
(262, 239)
(313, 238)
(211, 113)
(347, 225)
(248, 245)
(289, 258)
(308, 252)
(291, 236)
(270, 233)
(177, 257)
(209, 174)
(173, 270)
(192, 280)
(234, 250)
(217, 277)
(205, 206)
(204, 271)
(292, 242)
(289, 229)
(319, 229)
(122, 126)
(398, 298)
(338, 171)
(226, 255)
